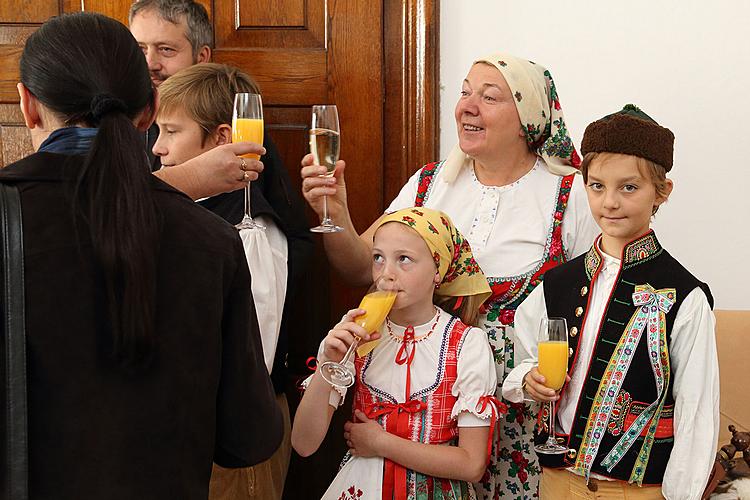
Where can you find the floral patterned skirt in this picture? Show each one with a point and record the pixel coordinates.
(513, 472)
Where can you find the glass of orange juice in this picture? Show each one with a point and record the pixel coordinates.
(553, 364)
(247, 126)
(377, 304)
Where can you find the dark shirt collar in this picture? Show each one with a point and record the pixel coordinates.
(69, 141)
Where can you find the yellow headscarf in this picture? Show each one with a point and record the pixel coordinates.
(460, 275)
(538, 105)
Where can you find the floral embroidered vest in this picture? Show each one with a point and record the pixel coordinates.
(623, 425)
(509, 292)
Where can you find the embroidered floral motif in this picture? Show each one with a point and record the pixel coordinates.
(431, 228)
(351, 494)
(410, 221)
(502, 63)
(468, 265)
(436, 258)
(592, 262)
(532, 132)
(518, 96)
(560, 143)
(418, 212)
(425, 183)
(619, 412)
(554, 98)
(644, 248)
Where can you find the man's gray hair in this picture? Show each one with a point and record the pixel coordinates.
(199, 32)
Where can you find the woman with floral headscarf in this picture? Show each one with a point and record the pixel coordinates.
(510, 187)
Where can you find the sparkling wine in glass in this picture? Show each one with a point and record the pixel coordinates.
(324, 146)
(247, 125)
(553, 365)
(377, 304)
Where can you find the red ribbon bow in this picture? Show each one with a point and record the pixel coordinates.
(497, 408)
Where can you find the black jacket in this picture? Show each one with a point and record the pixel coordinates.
(96, 431)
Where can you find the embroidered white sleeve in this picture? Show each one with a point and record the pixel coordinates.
(695, 372)
(476, 377)
(527, 320)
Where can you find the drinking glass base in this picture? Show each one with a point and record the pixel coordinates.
(326, 228)
(336, 374)
(248, 223)
(550, 449)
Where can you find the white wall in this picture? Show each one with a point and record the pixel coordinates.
(686, 63)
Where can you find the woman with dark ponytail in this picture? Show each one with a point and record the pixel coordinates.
(144, 359)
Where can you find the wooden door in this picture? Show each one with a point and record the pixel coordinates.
(375, 59)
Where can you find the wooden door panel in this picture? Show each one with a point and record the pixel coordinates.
(281, 24)
(302, 82)
(10, 56)
(272, 14)
(116, 9)
(36, 12)
(15, 141)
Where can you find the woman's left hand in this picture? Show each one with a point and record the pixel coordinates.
(363, 437)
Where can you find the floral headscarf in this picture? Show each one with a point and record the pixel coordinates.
(460, 275)
(541, 116)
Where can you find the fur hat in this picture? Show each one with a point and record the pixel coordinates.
(630, 132)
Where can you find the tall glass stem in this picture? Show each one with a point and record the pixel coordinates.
(350, 351)
(247, 201)
(551, 438)
(325, 210)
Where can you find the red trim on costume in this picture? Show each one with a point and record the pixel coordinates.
(497, 408)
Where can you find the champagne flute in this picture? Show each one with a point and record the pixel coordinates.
(377, 303)
(247, 125)
(324, 146)
(553, 365)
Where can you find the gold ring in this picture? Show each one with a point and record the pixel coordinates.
(245, 176)
(243, 164)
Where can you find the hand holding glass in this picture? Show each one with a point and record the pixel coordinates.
(324, 146)
(553, 365)
(377, 304)
(247, 125)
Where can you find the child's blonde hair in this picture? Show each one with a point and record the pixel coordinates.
(647, 168)
(205, 92)
(467, 310)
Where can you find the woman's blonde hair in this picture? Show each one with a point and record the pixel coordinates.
(647, 168)
(205, 92)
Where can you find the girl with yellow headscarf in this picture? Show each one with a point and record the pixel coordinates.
(424, 410)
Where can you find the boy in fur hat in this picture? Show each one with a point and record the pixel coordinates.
(639, 413)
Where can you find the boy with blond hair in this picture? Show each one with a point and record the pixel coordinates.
(640, 411)
(194, 116)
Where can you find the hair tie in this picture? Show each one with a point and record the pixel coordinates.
(102, 104)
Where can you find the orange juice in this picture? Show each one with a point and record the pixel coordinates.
(377, 304)
(250, 130)
(553, 363)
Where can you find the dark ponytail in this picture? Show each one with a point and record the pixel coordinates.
(88, 70)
